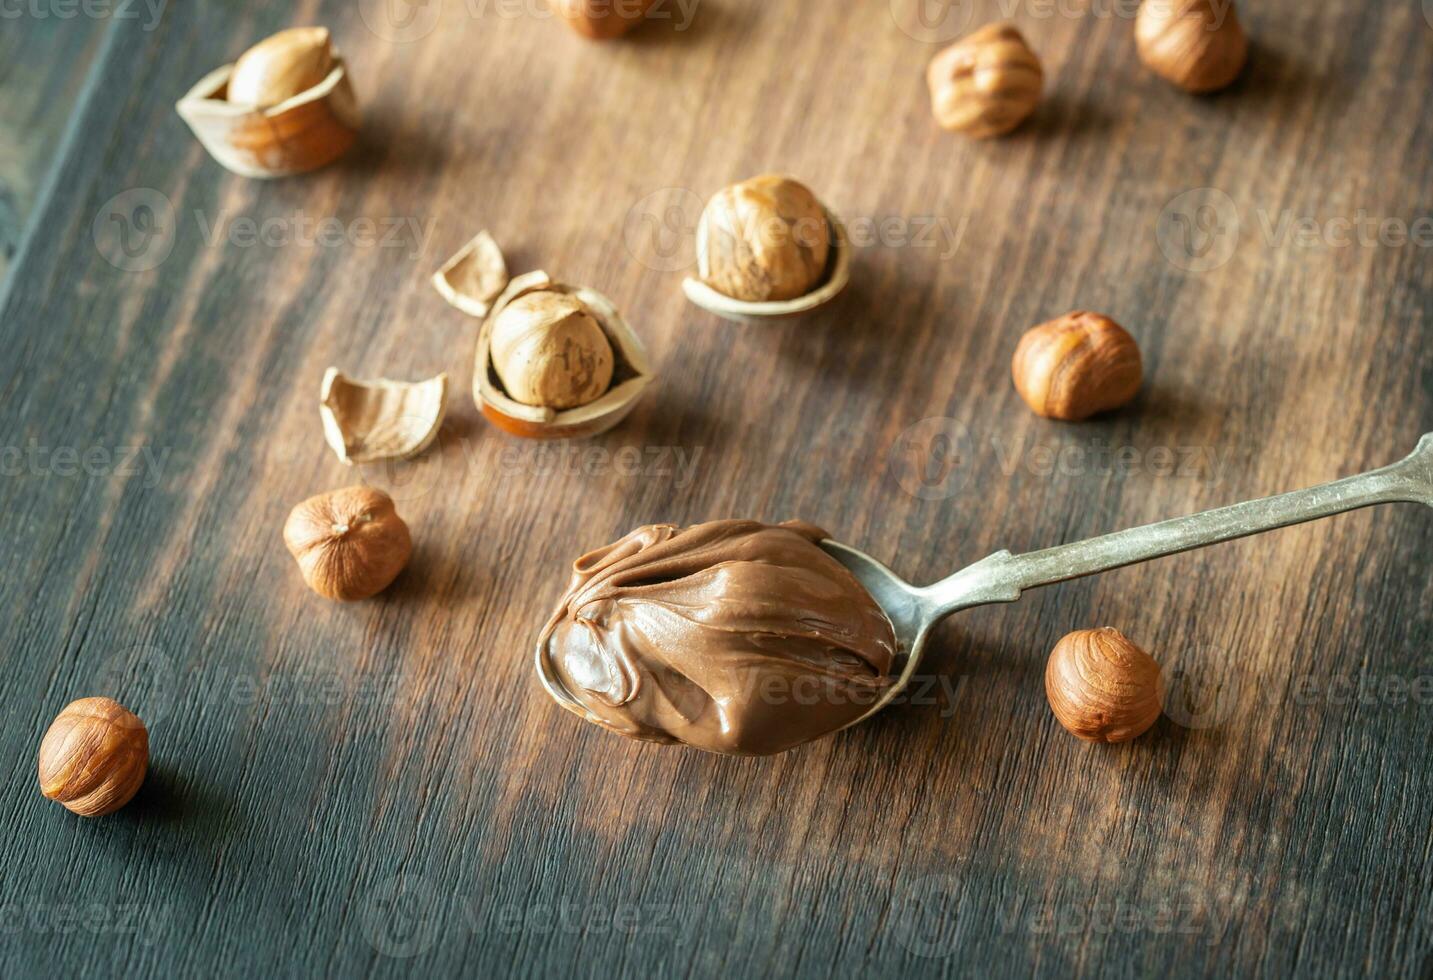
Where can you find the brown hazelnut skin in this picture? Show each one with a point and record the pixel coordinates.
(350, 544)
(763, 240)
(281, 67)
(94, 757)
(1101, 687)
(985, 84)
(549, 350)
(1076, 366)
(1198, 45)
(603, 20)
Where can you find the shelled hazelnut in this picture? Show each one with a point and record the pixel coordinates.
(556, 361)
(1101, 687)
(280, 67)
(1076, 366)
(94, 757)
(350, 544)
(985, 84)
(1199, 45)
(548, 350)
(764, 239)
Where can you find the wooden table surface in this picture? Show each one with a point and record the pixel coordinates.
(383, 787)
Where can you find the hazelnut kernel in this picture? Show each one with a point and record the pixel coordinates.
(765, 239)
(1101, 687)
(1199, 45)
(549, 350)
(281, 67)
(94, 757)
(985, 84)
(1076, 366)
(350, 543)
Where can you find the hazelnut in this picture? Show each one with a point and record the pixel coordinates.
(985, 84)
(350, 544)
(764, 239)
(94, 757)
(624, 366)
(1198, 45)
(1101, 686)
(1076, 366)
(603, 20)
(280, 67)
(549, 350)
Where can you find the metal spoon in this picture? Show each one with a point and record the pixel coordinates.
(1002, 577)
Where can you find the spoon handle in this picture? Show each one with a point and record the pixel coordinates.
(1002, 576)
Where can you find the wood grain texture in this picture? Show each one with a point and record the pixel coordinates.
(379, 788)
(44, 62)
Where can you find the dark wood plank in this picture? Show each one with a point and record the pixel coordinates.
(44, 61)
(383, 787)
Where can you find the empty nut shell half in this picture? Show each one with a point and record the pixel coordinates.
(369, 421)
(474, 277)
(300, 134)
(631, 373)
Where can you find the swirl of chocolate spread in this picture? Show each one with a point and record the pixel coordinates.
(731, 636)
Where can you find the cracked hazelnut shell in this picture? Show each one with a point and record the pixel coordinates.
(1101, 686)
(1198, 45)
(350, 544)
(1076, 366)
(300, 133)
(94, 757)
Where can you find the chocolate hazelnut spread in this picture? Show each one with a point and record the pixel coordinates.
(730, 636)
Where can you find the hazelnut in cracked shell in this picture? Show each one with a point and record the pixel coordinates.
(732, 636)
(763, 240)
